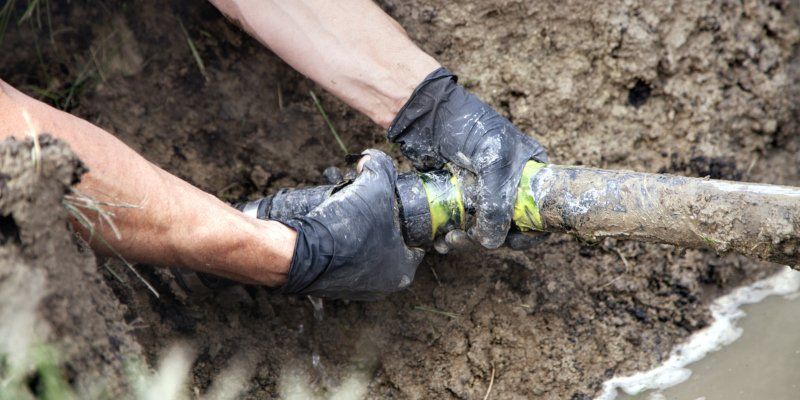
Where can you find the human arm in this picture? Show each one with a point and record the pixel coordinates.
(172, 223)
(362, 56)
(350, 47)
(350, 246)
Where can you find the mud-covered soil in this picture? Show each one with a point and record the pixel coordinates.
(692, 88)
(46, 272)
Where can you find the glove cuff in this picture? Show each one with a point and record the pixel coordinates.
(313, 254)
(418, 106)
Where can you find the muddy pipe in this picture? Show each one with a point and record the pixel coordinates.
(757, 220)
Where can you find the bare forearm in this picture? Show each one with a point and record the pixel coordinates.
(350, 47)
(170, 221)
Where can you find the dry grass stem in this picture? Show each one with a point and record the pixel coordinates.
(491, 383)
(625, 263)
(97, 64)
(436, 276)
(280, 97)
(5, 16)
(76, 202)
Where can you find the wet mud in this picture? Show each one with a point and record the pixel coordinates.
(690, 88)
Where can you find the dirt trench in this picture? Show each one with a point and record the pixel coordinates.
(697, 88)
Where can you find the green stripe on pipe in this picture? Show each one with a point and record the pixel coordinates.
(444, 202)
(526, 212)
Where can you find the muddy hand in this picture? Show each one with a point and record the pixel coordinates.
(350, 246)
(443, 122)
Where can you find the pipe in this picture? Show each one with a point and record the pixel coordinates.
(757, 220)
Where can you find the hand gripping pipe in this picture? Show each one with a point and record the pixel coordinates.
(757, 220)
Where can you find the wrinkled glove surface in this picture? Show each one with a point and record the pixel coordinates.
(351, 246)
(443, 122)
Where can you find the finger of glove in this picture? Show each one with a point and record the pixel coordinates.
(494, 208)
(412, 256)
(459, 240)
(441, 246)
(404, 273)
(415, 255)
(350, 174)
(333, 175)
(379, 163)
(539, 153)
(421, 156)
(376, 170)
(454, 240)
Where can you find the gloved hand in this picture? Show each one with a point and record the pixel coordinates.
(351, 246)
(443, 122)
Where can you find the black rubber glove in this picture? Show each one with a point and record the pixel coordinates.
(351, 246)
(443, 122)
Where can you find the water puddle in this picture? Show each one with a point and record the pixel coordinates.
(751, 351)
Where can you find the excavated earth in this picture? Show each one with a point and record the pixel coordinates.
(696, 88)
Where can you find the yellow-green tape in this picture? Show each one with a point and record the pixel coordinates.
(526, 212)
(445, 203)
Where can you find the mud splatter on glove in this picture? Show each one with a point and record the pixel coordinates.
(351, 246)
(443, 122)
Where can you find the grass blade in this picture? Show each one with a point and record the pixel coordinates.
(195, 53)
(32, 6)
(328, 121)
(5, 16)
(77, 201)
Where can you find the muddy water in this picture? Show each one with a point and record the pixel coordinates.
(762, 362)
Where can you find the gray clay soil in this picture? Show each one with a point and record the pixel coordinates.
(697, 88)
